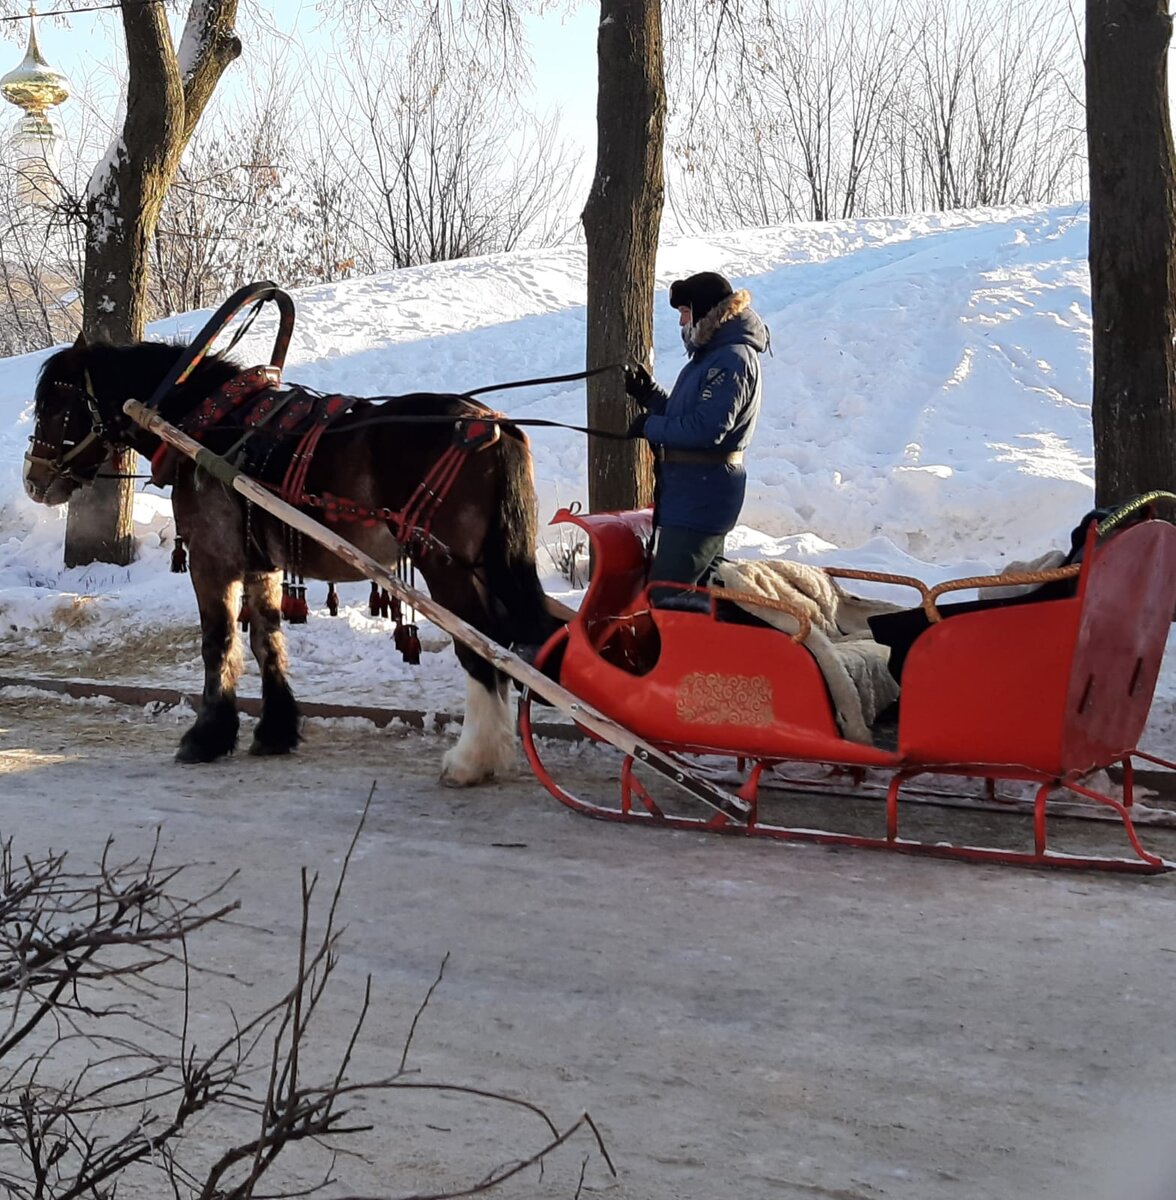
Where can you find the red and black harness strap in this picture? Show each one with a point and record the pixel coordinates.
(329, 410)
(412, 524)
(253, 400)
(214, 410)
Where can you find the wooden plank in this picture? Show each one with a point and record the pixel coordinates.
(140, 695)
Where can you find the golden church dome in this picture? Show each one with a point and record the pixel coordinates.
(33, 84)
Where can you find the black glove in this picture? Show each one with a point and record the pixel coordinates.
(638, 383)
(637, 428)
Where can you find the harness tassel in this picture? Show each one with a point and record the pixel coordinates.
(412, 646)
(374, 600)
(406, 638)
(298, 607)
(332, 600)
(179, 557)
(244, 616)
(286, 597)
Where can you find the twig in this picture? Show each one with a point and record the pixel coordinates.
(423, 1005)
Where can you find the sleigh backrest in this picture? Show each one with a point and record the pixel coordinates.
(1056, 686)
(620, 542)
(1128, 593)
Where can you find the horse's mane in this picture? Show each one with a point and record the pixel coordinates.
(138, 369)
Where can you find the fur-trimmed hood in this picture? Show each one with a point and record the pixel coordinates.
(736, 320)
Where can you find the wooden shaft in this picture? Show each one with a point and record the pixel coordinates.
(722, 801)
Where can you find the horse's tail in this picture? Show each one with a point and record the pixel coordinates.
(509, 553)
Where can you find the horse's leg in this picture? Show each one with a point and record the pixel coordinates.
(277, 731)
(486, 744)
(215, 732)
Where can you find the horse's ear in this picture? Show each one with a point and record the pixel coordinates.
(80, 343)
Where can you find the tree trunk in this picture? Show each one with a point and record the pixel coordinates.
(1132, 247)
(99, 525)
(126, 193)
(622, 220)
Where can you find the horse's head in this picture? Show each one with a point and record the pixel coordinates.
(74, 429)
(78, 408)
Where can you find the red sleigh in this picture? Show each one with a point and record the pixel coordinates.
(1046, 692)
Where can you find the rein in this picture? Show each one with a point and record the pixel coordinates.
(540, 422)
(256, 295)
(518, 383)
(522, 422)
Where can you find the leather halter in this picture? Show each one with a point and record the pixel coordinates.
(40, 452)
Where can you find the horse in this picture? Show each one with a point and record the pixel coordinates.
(476, 550)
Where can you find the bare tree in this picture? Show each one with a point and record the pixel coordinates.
(622, 221)
(247, 203)
(993, 107)
(448, 163)
(40, 277)
(1132, 246)
(167, 91)
(492, 27)
(834, 74)
(42, 244)
(843, 110)
(330, 198)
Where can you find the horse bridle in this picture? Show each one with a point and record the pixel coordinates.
(100, 432)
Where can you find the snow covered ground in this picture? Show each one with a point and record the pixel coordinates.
(926, 411)
(743, 1021)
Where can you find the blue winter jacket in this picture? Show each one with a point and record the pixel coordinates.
(713, 406)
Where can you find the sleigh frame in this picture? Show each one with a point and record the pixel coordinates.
(1045, 693)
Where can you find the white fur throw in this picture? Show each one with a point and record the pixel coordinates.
(853, 664)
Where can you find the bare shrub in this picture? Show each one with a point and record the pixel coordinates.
(97, 1096)
(448, 163)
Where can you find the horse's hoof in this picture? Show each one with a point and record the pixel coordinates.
(459, 777)
(197, 754)
(453, 781)
(266, 749)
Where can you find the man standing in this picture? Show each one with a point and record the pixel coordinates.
(701, 428)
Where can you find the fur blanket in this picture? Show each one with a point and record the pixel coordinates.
(853, 664)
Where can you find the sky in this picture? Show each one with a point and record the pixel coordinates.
(85, 46)
(926, 411)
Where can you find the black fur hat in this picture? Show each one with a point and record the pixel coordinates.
(700, 292)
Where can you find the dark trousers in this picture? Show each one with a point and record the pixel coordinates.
(684, 556)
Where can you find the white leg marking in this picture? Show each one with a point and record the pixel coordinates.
(486, 744)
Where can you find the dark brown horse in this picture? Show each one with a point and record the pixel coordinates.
(477, 556)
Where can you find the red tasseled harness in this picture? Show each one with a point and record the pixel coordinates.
(254, 397)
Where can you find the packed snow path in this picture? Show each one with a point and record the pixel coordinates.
(743, 1020)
